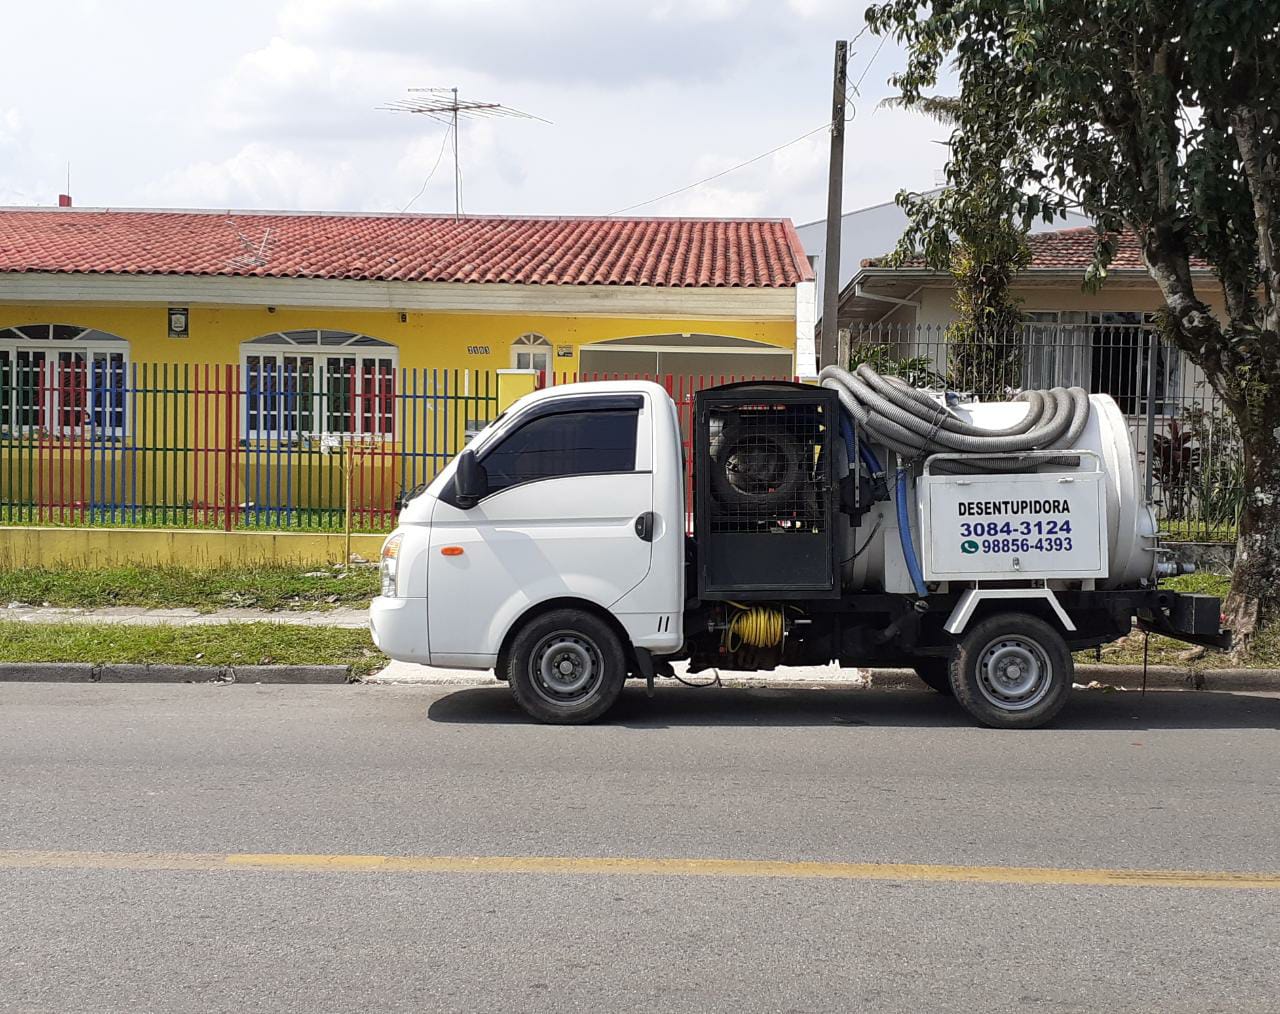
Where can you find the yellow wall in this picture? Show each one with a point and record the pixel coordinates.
(474, 341)
(105, 547)
(164, 463)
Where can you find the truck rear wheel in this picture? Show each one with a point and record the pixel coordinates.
(566, 667)
(1012, 671)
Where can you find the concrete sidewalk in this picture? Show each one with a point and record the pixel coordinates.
(1091, 676)
(408, 674)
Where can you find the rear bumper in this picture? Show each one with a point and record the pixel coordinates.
(1196, 619)
(399, 628)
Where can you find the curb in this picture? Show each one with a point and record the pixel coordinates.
(1173, 677)
(83, 672)
(1127, 677)
(1108, 676)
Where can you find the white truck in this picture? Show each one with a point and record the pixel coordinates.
(559, 551)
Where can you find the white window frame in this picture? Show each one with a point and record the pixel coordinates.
(537, 351)
(321, 346)
(94, 346)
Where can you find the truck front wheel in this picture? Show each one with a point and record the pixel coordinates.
(1012, 671)
(566, 667)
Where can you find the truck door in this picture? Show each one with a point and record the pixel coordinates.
(569, 488)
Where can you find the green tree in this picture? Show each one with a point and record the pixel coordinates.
(1160, 116)
(968, 231)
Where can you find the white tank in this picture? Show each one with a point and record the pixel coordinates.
(1064, 524)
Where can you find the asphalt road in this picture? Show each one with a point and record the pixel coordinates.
(125, 809)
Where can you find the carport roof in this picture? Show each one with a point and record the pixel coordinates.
(660, 252)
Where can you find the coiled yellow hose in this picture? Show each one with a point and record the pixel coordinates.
(757, 626)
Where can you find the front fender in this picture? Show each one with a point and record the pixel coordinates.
(521, 602)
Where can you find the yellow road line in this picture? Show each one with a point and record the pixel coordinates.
(587, 866)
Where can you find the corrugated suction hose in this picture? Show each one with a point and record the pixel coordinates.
(894, 414)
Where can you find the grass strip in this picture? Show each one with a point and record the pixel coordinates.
(269, 586)
(210, 644)
(275, 588)
(1199, 584)
(1264, 651)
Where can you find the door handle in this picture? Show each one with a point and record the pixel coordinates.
(644, 526)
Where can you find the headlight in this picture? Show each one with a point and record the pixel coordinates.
(390, 565)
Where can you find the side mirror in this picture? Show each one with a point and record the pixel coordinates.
(470, 482)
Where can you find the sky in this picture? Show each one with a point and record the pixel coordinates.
(273, 104)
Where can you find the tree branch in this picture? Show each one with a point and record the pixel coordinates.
(1246, 127)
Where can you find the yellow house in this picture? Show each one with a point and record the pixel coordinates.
(203, 367)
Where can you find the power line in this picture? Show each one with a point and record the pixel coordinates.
(772, 151)
(865, 70)
(439, 157)
(725, 172)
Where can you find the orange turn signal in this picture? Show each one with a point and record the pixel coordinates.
(451, 550)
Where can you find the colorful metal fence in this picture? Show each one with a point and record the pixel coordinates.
(213, 446)
(91, 440)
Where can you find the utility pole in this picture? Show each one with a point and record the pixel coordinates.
(830, 339)
(457, 169)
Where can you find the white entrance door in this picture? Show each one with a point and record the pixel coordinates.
(566, 486)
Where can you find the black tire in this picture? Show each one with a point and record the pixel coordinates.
(754, 468)
(935, 673)
(566, 667)
(1012, 671)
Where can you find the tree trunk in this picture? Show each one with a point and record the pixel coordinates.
(1245, 374)
(1254, 599)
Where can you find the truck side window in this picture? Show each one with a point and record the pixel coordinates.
(567, 443)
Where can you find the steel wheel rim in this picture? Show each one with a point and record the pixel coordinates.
(1014, 673)
(566, 667)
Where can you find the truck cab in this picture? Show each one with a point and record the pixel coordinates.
(566, 510)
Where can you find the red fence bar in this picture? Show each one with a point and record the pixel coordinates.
(230, 405)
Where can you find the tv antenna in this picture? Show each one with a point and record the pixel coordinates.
(444, 106)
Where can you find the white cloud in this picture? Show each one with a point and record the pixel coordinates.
(260, 175)
(277, 105)
(698, 10)
(10, 126)
(613, 44)
(822, 9)
(41, 183)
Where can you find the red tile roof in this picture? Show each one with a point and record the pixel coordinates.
(1073, 248)
(411, 248)
(1067, 249)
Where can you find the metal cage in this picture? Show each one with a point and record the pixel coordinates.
(764, 491)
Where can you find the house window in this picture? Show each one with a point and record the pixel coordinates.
(1104, 352)
(531, 352)
(309, 382)
(62, 379)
